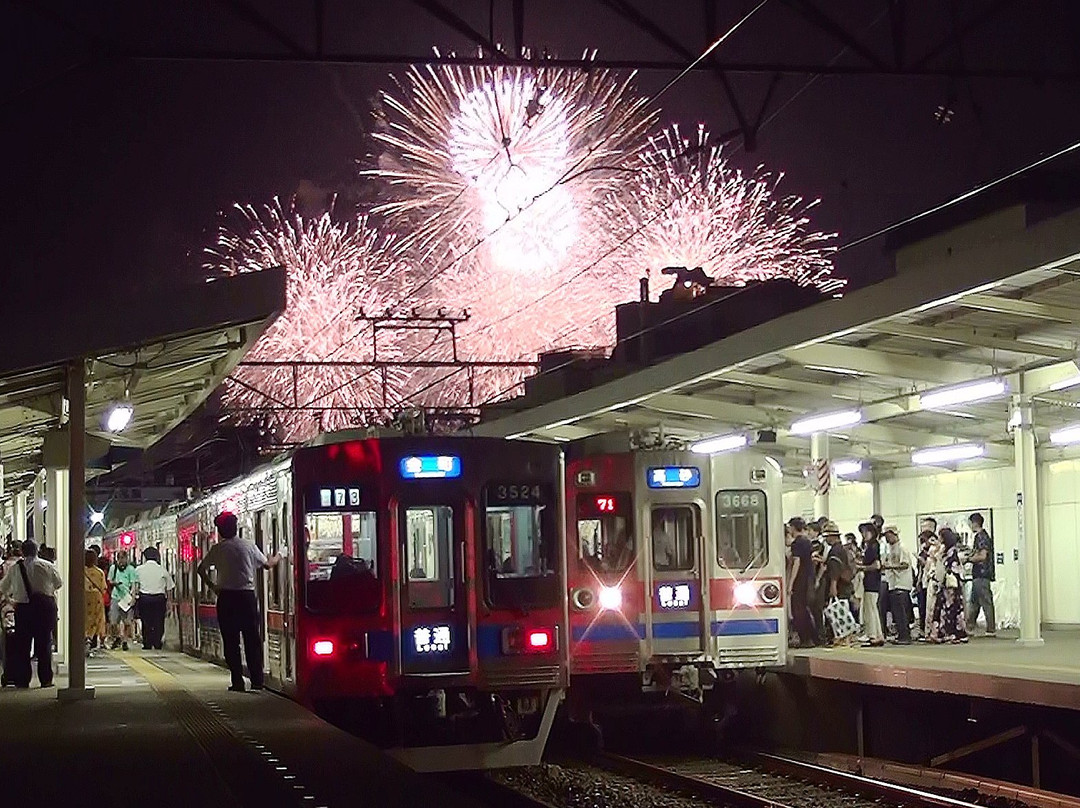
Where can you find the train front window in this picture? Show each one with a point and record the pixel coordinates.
(674, 537)
(429, 540)
(742, 532)
(521, 544)
(341, 560)
(605, 533)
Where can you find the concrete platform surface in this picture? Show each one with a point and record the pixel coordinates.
(996, 668)
(164, 731)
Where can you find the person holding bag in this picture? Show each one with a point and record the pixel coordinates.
(123, 580)
(839, 575)
(32, 586)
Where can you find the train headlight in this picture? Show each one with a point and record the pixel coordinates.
(610, 598)
(746, 593)
(769, 593)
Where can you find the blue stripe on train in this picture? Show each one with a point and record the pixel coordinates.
(681, 630)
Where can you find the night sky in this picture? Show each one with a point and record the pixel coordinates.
(117, 167)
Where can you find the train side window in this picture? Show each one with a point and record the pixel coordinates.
(674, 537)
(742, 533)
(342, 565)
(429, 541)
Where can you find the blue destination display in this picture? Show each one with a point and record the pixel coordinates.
(673, 477)
(430, 467)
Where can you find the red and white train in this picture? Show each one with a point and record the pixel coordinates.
(676, 567)
(422, 588)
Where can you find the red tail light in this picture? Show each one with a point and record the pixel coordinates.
(528, 640)
(323, 648)
(540, 639)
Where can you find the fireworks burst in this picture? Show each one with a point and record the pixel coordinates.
(511, 158)
(692, 209)
(334, 271)
(498, 175)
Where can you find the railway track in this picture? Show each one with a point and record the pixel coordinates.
(773, 782)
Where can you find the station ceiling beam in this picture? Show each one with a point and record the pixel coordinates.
(1021, 308)
(970, 338)
(883, 363)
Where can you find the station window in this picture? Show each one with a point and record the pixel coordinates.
(429, 558)
(340, 555)
(605, 533)
(742, 535)
(674, 537)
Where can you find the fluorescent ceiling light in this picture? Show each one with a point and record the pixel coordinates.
(723, 443)
(946, 454)
(831, 369)
(823, 423)
(1063, 437)
(844, 468)
(1065, 384)
(962, 394)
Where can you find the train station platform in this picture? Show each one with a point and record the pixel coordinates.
(164, 731)
(993, 668)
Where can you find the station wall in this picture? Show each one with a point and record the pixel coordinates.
(958, 493)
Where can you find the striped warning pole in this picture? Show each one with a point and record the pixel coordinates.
(819, 453)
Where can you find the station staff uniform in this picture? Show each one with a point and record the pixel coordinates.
(154, 582)
(34, 621)
(236, 562)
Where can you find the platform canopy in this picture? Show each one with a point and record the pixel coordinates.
(997, 299)
(163, 349)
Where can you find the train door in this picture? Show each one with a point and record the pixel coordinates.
(674, 559)
(285, 575)
(434, 609)
(275, 622)
(261, 578)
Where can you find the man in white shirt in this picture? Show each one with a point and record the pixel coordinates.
(236, 562)
(896, 563)
(31, 585)
(152, 587)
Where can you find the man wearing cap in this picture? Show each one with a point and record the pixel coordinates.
(896, 562)
(235, 562)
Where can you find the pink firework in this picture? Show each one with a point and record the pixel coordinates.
(334, 272)
(689, 207)
(498, 175)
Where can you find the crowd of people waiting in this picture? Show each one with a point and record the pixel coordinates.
(122, 601)
(871, 588)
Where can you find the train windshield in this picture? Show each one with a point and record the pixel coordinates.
(741, 530)
(521, 544)
(674, 537)
(605, 532)
(342, 570)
